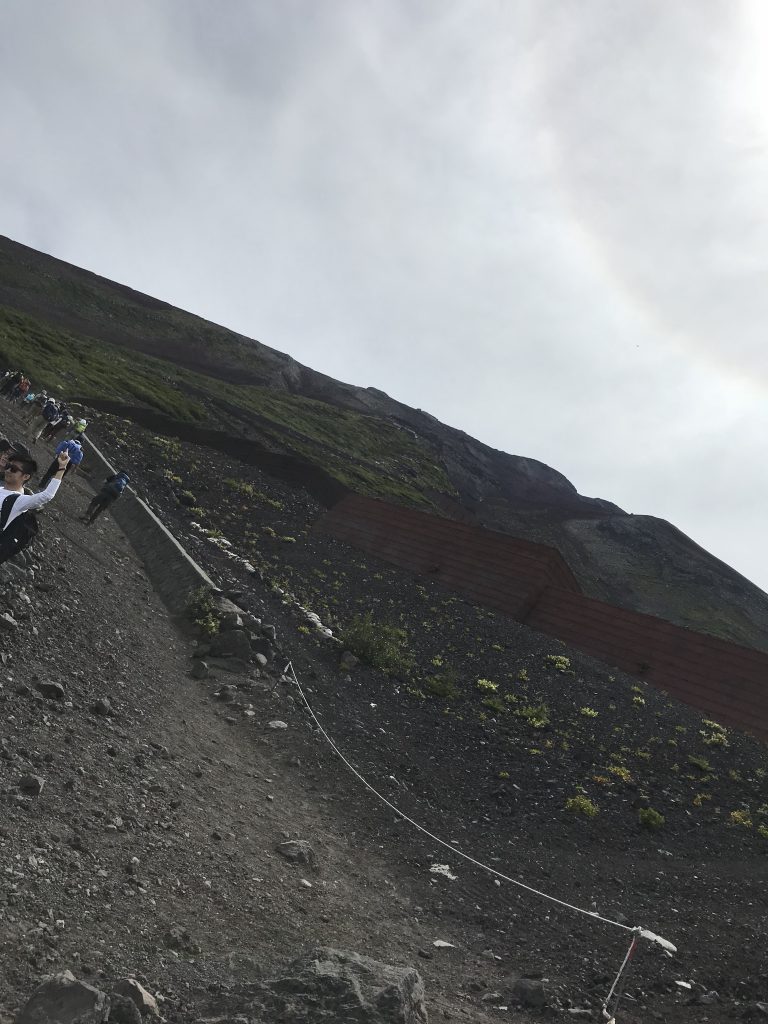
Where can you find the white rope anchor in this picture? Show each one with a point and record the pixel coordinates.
(637, 932)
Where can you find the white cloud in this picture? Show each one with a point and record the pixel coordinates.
(546, 223)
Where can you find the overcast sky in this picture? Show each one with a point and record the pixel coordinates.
(545, 222)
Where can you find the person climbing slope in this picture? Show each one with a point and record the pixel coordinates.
(16, 531)
(75, 452)
(113, 488)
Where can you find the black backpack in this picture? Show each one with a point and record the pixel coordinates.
(20, 533)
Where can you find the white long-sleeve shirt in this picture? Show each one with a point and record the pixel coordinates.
(28, 501)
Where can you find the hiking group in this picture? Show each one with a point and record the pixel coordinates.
(18, 502)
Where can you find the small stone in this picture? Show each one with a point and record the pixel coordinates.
(529, 992)
(348, 661)
(297, 851)
(269, 631)
(102, 707)
(32, 785)
(260, 659)
(8, 623)
(200, 670)
(51, 690)
(277, 724)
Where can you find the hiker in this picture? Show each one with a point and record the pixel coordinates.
(75, 452)
(113, 488)
(33, 404)
(60, 423)
(10, 382)
(19, 393)
(50, 413)
(18, 524)
(79, 428)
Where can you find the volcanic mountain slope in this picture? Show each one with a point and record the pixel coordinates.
(166, 810)
(139, 357)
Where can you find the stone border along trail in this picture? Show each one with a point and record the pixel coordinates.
(158, 812)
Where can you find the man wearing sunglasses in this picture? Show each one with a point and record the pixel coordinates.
(20, 468)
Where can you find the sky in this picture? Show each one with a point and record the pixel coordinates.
(544, 222)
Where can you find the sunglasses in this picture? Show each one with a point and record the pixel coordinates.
(14, 469)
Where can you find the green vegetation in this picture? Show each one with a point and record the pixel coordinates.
(202, 611)
(650, 819)
(368, 454)
(379, 644)
(444, 684)
(582, 806)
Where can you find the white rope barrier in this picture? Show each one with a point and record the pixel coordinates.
(636, 931)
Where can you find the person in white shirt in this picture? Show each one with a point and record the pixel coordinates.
(19, 470)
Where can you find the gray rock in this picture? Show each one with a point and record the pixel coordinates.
(260, 659)
(260, 645)
(230, 620)
(348, 661)
(529, 992)
(102, 707)
(32, 785)
(226, 694)
(53, 691)
(269, 631)
(333, 985)
(234, 665)
(7, 622)
(131, 989)
(64, 1000)
(232, 644)
(124, 1011)
(199, 670)
(297, 851)
(756, 1010)
(277, 724)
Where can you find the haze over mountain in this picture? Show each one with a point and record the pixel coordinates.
(126, 352)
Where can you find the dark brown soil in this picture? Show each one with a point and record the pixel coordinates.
(200, 792)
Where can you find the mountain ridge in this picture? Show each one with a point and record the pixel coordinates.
(138, 352)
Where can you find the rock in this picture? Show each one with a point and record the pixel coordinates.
(124, 1011)
(348, 661)
(297, 851)
(53, 691)
(333, 985)
(269, 631)
(226, 694)
(133, 990)
(232, 644)
(230, 620)
(260, 645)
(234, 665)
(32, 785)
(177, 937)
(200, 670)
(277, 724)
(260, 659)
(64, 1000)
(529, 992)
(8, 623)
(201, 651)
(102, 707)
(756, 1010)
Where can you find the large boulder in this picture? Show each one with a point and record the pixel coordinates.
(63, 999)
(330, 985)
(232, 644)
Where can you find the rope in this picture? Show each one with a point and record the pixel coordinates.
(637, 932)
(608, 1014)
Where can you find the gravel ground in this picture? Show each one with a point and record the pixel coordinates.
(166, 810)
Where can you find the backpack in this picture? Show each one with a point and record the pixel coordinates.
(20, 533)
(116, 486)
(50, 411)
